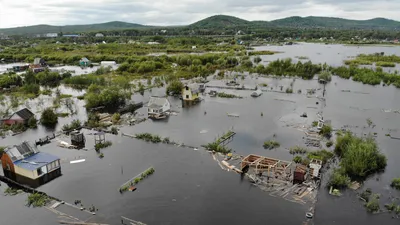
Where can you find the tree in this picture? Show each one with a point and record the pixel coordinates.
(48, 118)
(32, 122)
(175, 87)
(325, 75)
(326, 131)
(297, 159)
(257, 59)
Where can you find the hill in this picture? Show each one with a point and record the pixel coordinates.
(338, 23)
(220, 21)
(42, 29)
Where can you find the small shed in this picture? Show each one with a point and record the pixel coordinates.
(300, 174)
(78, 139)
(84, 62)
(20, 117)
(39, 62)
(158, 106)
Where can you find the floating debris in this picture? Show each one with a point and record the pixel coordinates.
(232, 115)
(77, 161)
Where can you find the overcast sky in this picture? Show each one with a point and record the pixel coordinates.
(180, 12)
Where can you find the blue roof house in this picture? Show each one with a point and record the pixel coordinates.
(26, 165)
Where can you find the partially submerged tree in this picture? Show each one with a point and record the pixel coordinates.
(48, 118)
(175, 87)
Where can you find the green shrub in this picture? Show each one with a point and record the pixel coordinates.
(314, 123)
(326, 131)
(37, 200)
(32, 122)
(322, 155)
(396, 183)
(339, 179)
(105, 144)
(373, 203)
(329, 144)
(297, 159)
(297, 150)
(225, 95)
(48, 118)
(271, 144)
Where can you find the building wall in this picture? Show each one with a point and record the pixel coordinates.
(187, 94)
(26, 173)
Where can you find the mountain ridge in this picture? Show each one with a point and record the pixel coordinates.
(217, 22)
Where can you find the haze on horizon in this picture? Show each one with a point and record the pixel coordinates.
(15, 13)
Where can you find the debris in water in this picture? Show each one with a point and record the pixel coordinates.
(203, 131)
(232, 114)
(195, 149)
(77, 161)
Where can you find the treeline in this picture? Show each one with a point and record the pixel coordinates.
(367, 75)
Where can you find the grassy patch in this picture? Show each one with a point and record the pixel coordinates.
(225, 95)
(271, 144)
(99, 146)
(37, 200)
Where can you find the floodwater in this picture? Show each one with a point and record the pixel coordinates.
(188, 187)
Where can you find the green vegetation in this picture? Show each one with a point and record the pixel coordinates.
(385, 64)
(289, 90)
(114, 130)
(298, 150)
(48, 118)
(257, 59)
(301, 57)
(325, 76)
(175, 87)
(115, 118)
(360, 157)
(339, 179)
(149, 137)
(373, 204)
(11, 191)
(366, 194)
(137, 179)
(215, 146)
(261, 53)
(32, 122)
(297, 159)
(314, 123)
(390, 207)
(396, 183)
(326, 131)
(102, 145)
(263, 85)
(37, 200)
(2, 148)
(225, 95)
(322, 155)
(75, 124)
(329, 144)
(271, 144)
(84, 81)
(104, 96)
(367, 76)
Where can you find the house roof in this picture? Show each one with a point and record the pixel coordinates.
(18, 152)
(25, 113)
(37, 61)
(84, 59)
(36, 161)
(157, 102)
(195, 88)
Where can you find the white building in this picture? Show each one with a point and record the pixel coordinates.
(158, 106)
(99, 35)
(51, 35)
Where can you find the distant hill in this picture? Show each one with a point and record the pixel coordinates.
(220, 22)
(42, 29)
(332, 22)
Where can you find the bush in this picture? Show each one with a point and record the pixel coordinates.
(175, 87)
(339, 179)
(325, 75)
(37, 200)
(329, 144)
(31, 89)
(314, 123)
(107, 96)
(396, 183)
(326, 131)
(373, 204)
(75, 124)
(32, 122)
(297, 159)
(225, 95)
(99, 146)
(257, 59)
(114, 130)
(366, 194)
(297, 150)
(322, 155)
(48, 118)
(271, 144)
(289, 90)
(116, 117)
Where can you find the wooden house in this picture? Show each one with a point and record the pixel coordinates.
(26, 165)
(84, 62)
(190, 94)
(158, 107)
(20, 117)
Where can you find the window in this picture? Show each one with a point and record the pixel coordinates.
(187, 88)
(39, 171)
(187, 96)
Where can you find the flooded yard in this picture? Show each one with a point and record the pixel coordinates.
(188, 186)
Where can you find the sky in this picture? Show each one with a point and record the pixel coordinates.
(15, 13)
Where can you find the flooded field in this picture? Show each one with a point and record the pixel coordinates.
(189, 187)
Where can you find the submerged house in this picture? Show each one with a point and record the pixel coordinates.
(26, 165)
(190, 94)
(38, 63)
(158, 107)
(84, 62)
(20, 117)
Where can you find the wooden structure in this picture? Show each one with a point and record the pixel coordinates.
(300, 174)
(262, 164)
(78, 139)
(226, 138)
(99, 138)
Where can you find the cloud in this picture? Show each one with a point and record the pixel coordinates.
(179, 12)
